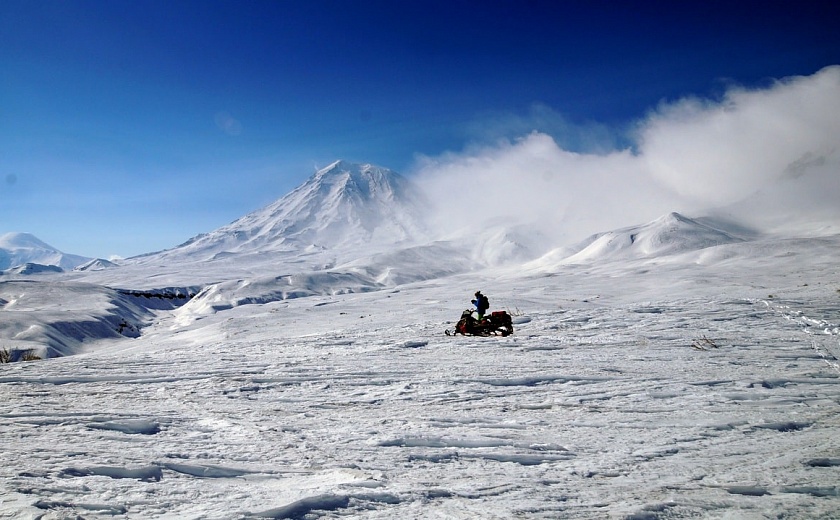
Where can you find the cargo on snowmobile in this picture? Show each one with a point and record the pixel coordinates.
(495, 324)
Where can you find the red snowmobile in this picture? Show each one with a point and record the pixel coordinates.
(497, 323)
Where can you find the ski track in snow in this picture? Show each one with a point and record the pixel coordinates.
(719, 404)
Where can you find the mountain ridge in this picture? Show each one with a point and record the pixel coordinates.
(669, 235)
(369, 222)
(337, 208)
(18, 249)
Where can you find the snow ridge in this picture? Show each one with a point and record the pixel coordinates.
(668, 235)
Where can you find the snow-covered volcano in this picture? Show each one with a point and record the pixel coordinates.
(344, 206)
(24, 248)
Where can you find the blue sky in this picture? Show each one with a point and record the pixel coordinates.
(128, 127)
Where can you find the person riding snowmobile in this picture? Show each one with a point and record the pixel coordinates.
(481, 304)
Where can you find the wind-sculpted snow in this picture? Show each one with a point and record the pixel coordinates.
(670, 389)
(148, 473)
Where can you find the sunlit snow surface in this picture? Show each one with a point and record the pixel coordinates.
(703, 385)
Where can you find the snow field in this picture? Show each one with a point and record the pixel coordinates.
(640, 392)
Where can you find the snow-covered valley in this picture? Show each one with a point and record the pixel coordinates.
(659, 371)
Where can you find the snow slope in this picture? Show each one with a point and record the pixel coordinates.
(667, 235)
(22, 248)
(340, 207)
(682, 390)
(671, 234)
(53, 318)
(341, 214)
(29, 269)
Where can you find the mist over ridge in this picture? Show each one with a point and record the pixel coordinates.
(768, 158)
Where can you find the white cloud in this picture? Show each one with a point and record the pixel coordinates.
(533, 180)
(587, 137)
(720, 153)
(761, 155)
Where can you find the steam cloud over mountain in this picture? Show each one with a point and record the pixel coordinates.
(769, 158)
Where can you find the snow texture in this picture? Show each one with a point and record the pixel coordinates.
(677, 369)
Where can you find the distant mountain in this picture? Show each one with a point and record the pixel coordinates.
(343, 207)
(17, 249)
(668, 235)
(97, 264)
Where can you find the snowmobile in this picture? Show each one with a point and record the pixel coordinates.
(495, 324)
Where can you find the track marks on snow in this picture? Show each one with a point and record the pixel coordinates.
(580, 410)
(146, 473)
(323, 504)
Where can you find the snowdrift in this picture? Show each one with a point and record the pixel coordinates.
(605, 402)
